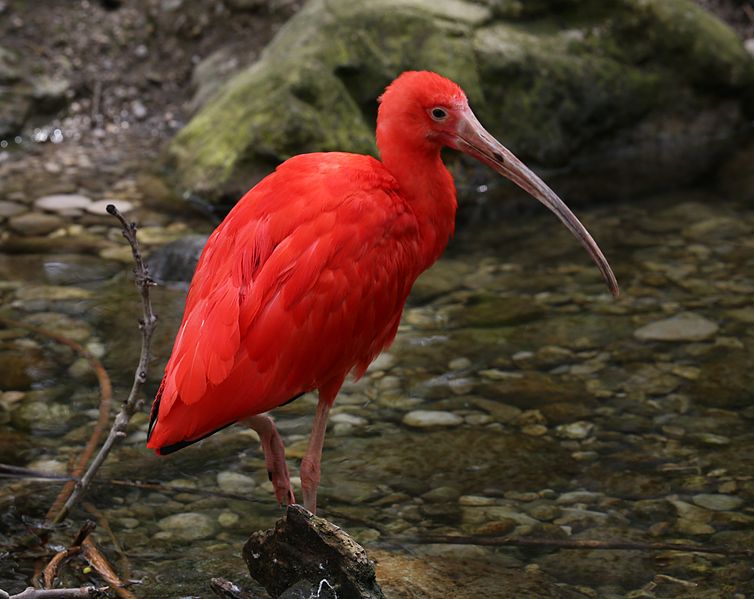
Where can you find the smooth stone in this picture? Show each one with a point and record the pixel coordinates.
(8, 209)
(572, 497)
(478, 419)
(33, 223)
(430, 418)
(441, 495)
(682, 327)
(459, 364)
(572, 516)
(712, 439)
(689, 512)
(476, 500)
(189, 526)
(228, 519)
(534, 430)
(49, 467)
(100, 207)
(499, 411)
(129, 522)
(63, 203)
(717, 502)
(345, 418)
(52, 293)
(43, 417)
(692, 527)
(574, 430)
(235, 483)
(743, 314)
(480, 514)
(544, 512)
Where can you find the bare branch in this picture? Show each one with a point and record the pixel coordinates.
(80, 593)
(147, 325)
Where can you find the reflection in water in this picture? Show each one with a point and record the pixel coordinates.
(518, 399)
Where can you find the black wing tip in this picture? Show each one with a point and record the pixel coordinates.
(168, 449)
(153, 415)
(173, 447)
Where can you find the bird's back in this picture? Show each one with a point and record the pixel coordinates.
(302, 283)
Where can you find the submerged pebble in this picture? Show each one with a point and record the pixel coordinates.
(431, 418)
(235, 483)
(574, 430)
(188, 526)
(717, 502)
(687, 326)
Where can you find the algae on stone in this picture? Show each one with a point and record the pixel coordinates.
(564, 83)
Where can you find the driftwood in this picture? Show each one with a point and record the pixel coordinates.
(307, 556)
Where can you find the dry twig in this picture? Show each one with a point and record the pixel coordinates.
(80, 593)
(100, 564)
(147, 325)
(51, 569)
(104, 525)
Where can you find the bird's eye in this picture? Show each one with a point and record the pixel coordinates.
(439, 114)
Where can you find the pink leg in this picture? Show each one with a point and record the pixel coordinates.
(274, 457)
(310, 462)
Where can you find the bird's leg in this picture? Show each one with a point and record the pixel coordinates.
(274, 457)
(313, 456)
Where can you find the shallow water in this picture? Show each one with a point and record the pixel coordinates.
(556, 418)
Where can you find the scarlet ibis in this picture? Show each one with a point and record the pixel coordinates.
(305, 280)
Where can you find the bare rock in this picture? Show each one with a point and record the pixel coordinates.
(10, 209)
(67, 204)
(305, 555)
(33, 223)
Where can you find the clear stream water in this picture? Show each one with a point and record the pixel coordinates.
(518, 398)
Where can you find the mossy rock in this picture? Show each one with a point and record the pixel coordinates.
(582, 86)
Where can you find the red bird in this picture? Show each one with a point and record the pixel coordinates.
(305, 280)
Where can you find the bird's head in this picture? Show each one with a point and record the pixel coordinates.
(432, 112)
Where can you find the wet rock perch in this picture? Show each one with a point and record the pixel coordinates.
(306, 556)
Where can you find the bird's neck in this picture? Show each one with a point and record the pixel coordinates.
(428, 188)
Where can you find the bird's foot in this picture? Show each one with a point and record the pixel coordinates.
(282, 485)
(274, 457)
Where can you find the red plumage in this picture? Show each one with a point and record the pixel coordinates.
(292, 292)
(305, 280)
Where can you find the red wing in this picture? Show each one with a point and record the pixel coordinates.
(303, 281)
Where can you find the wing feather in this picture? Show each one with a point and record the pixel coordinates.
(303, 282)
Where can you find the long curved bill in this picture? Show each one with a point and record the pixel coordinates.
(474, 140)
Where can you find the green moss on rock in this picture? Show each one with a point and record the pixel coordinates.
(552, 78)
